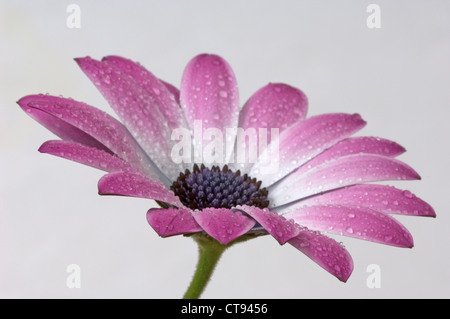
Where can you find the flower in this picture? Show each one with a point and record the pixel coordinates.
(322, 184)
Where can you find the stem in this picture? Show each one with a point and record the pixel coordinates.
(210, 251)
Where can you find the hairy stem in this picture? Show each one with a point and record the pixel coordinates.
(210, 251)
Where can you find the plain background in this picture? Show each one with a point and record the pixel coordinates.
(397, 77)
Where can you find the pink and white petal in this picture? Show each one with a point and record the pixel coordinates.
(362, 223)
(209, 95)
(276, 225)
(78, 122)
(223, 224)
(350, 146)
(172, 221)
(326, 252)
(382, 198)
(136, 109)
(136, 185)
(301, 142)
(155, 88)
(274, 106)
(86, 155)
(344, 171)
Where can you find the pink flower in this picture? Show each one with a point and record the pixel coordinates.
(321, 186)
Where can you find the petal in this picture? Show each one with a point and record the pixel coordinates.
(276, 225)
(350, 146)
(172, 221)
(90, 156)
(345, 171)
(382, 198)
(78, 122)
(361, 223)
(326, 252)
(274, 106)
(136, 185)
(155, 88)
(173, 90)
(209, 94)
(223, 224)
(42, 109)
(302, 141)
(136, 109)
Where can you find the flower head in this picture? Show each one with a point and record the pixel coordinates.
(309, 175)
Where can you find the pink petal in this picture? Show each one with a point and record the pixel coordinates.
(173, 90)
(361, 223)
(172, 221)
(155, 88)
(78, 122)
(276, 225)
(326, 252)
(304, 140)
(275, 105)
(350, 146)
(223, 224)
(382, 198)
(136, 185)
(344, 171)
(137, 110)
(54, 122)
(209, 93)
(90, 156)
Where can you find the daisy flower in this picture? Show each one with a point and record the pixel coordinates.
(222, 174)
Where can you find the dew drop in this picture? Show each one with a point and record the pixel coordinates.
(304, 244)
(407, 194)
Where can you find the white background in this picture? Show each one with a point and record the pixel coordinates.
(396, 77)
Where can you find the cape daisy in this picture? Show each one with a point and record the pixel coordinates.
(321, 185)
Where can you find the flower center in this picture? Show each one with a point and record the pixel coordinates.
(215, 187)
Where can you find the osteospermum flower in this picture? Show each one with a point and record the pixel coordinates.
(320, 184)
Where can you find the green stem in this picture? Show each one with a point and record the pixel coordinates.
(210, 251)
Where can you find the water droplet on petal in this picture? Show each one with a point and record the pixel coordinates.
(407, 194)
